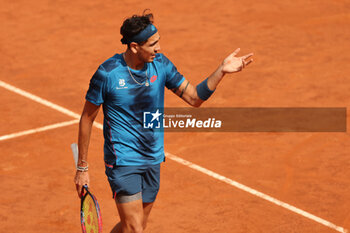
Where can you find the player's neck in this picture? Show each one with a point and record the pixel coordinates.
(132, 60)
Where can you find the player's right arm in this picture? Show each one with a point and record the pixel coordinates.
(86, 121)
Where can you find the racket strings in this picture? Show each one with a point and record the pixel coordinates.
(90, 216)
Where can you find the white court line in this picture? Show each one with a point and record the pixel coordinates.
(254, 192)
(41, 129)
(44, 102)
(39, 100)
(192, 165)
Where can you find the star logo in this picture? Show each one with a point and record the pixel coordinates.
(152, 120)
(156, 115)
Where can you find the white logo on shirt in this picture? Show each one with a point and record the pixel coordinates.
(121, 84)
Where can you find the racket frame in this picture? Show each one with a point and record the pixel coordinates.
(99, 218)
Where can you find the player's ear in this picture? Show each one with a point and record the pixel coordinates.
(134, 47)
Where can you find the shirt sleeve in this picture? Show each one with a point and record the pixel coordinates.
(97, 88)
(173, 77)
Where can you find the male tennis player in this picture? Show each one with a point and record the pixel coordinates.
(127, 85)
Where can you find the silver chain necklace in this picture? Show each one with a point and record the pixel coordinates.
(144, 83)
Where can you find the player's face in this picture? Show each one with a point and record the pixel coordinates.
(147, 51)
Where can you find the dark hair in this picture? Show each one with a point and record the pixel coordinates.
(134, 25)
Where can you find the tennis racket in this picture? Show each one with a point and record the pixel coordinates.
(90, 214)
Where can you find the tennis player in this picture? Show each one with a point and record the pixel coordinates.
(127, 85)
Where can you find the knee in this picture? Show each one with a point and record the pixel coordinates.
(134, 228)
(138, 229)
(144, 225)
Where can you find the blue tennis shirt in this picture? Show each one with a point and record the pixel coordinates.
(125, 97)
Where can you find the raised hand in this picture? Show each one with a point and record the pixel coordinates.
(233, 64)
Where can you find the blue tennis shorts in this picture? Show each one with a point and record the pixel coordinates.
(130, 180)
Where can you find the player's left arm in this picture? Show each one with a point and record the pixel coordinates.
(195, 96)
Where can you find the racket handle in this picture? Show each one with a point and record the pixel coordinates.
(85, 187)
(74, 148)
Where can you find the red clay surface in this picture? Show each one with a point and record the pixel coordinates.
(302, 52)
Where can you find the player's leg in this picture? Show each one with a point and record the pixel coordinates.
(133, 213)
(131, 216)
(150, 188)
(130, 220)
(147, 207)
(117, 228)
(126, 185)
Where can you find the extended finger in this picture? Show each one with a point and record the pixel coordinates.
(79, 190)
(247, 56)
(236, 51)
(248, 62)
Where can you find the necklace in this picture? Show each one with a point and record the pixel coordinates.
(144, 83)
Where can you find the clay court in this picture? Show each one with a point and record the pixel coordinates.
(50, 49)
